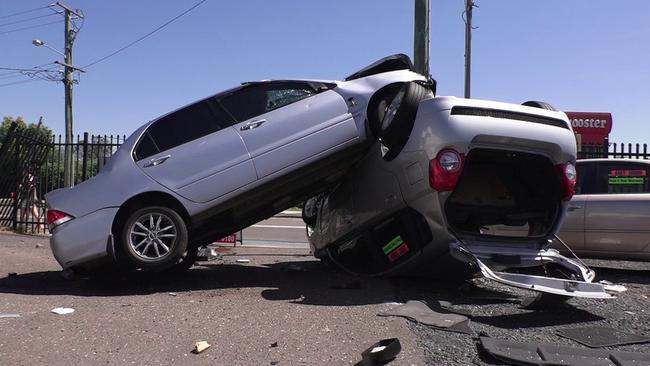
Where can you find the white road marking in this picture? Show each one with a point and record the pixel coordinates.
(280, 226)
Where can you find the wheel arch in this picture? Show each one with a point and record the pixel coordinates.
(142, 200)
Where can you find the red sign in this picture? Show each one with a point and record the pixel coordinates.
(232, 239)
(593, 127)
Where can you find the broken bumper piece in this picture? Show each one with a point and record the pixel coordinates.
(581, 286)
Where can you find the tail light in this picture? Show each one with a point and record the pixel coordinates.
(56, 218)
(445, 170)
(568, 176)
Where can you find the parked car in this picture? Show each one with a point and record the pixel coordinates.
(221, 164)
(609, 217)
(440, 188)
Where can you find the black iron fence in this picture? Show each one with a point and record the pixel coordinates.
(32, 162)
(614, 150)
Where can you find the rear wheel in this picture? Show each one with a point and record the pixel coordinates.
(154, 238)
(538, 104)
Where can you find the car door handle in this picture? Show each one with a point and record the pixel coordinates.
(252, 124)
(157, 161)
(574, 207)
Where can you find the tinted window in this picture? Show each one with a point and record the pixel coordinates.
(257, 99)
(623, 178)
(586, 174)
(145, 147)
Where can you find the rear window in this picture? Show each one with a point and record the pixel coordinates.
(625, 177)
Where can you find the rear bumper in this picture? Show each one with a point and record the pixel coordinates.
(84, 239)
(582, 286)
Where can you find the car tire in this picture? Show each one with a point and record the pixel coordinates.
(377, 107)
(310, 209)
(154, 238)
(399, 115)
(186, 261)
(537, 104)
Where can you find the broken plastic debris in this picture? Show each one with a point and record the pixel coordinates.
(63, 311)
(243, 260)
(200, 346)
(171, 293)
(9, 315)
(381, 352)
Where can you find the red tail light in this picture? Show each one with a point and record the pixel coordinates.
(56, 218)
(445, 170)
(568, 176)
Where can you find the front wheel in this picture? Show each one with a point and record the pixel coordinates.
(399, 114)
(154, 238)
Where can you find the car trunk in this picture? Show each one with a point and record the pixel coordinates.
(505, 198)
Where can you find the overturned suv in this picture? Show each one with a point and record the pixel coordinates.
(444, 177)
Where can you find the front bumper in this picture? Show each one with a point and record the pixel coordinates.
(84, 239)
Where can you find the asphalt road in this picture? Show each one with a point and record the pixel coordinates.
(280, 308)
(281, 231)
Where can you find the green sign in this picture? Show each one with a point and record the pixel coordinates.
(626, 180)
(397, 241)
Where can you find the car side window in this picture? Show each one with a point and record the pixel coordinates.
(585, 182)
(187, 124)
(623, 177)
(257, 99)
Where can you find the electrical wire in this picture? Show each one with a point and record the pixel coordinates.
(33, 26)
(27, 20)
(143, 37)
(24, 12)
(19, 82)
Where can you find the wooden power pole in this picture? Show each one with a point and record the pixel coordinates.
(421, 36)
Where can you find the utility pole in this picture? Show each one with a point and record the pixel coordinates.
(68, 173)
(421, 36)
(469, 5)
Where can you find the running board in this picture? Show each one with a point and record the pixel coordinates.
(557, 286)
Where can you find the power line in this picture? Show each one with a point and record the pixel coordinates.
(19, 82)
(24, 12)
(143, 37)
(28, 19)
(33, 26)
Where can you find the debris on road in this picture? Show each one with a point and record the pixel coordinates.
(11, 274)
(9, 315)
(274, 344)
(200, 346)
(172, 294)
(381, 352)
(207, 254)
(63, 311)
(243, 260)
(601, 336)
(421, 313)
(528, 353)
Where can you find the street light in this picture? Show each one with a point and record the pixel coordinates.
(39, 43)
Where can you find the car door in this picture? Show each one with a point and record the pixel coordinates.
(573, 228)
(617, 217)
(196, 153)
(287, 124)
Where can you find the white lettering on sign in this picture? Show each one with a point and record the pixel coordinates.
(591, 123)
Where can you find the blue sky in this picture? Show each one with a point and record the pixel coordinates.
(580, 55)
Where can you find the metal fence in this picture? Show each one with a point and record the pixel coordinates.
(32, 165)
(614, 150)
